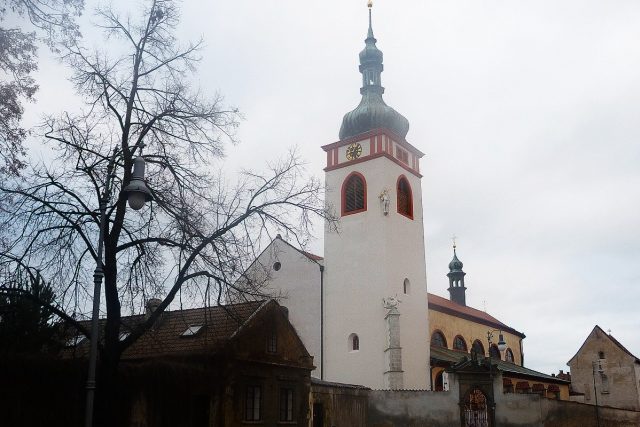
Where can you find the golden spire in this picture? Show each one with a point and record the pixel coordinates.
(370, 4)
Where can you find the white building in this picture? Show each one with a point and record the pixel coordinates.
(362, 311)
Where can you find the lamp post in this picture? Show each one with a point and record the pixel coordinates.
(137, 194)
(502, 346)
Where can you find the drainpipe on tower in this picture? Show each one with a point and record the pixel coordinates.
(322, 322)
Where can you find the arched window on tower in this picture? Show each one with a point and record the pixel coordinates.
(438, 340)
(354, 342)
(405, 198)
(354, 194)
(477, 348)
(459, 344)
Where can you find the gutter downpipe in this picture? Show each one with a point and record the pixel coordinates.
(322, 322)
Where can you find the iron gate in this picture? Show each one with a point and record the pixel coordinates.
(476, 412)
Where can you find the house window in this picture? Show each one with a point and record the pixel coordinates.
(252, 403)
(438, 340)
(405, 200)
(601, 355)
(459, 343)
(477, 348)
(354, 342)
(286, 404)
(191, 331)
(354, 194)
(494, 352)
(272, 343)
(508, 356)
(406, 287)
(605, 384)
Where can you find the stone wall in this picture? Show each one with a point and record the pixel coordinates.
(389, 408)
(440, 409)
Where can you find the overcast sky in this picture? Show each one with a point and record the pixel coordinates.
(529, 115)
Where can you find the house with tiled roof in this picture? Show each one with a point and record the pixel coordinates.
(606, 373)
(225, 365)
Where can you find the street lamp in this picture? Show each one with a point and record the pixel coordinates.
(502, 346)
(137, 194)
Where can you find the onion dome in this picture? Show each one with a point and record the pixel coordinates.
(455, 265)
(372, 112)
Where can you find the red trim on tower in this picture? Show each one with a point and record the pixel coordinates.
(372, 145)
(375, 156)
(342, 197)
(374, 132)
(335, 156)
(329, 163)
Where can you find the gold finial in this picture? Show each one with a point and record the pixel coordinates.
(370, 4)
(453, 238)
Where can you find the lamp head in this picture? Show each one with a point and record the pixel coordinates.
(137, 191)
(502, 345)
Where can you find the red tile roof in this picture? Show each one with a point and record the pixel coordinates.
(218, 323)
(444, 305)
(311, 256)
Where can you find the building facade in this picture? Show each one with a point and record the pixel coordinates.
(605, 372)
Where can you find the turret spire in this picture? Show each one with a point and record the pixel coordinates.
(372, 112)
(456, 279)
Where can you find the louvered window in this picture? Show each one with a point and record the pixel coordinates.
(405, 202)
(354, 194)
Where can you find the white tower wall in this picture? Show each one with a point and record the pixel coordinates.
(367, 260)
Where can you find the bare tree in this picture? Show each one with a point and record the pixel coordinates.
(54, 20)
(198, 234)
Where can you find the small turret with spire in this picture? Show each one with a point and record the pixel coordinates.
(372, 112)
(456, 279)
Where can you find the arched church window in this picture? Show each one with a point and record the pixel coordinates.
(405, 198)
(508, 356)
(406, 287)
(354, 342)
(494, 352)
(354, 194)
(477, 348)
(459, 344)
(438, 340)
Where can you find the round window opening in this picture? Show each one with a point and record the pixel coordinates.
(277, 266)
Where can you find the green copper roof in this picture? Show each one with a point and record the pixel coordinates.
(372, 112)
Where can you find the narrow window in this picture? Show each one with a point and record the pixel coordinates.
(252, 403)
(459, 344)
(406, 287)
(438, 340)
(605, 384)
(405, 200)
(601, 355)
(477, 348)
(286, 404)
(354, 192)
(272, 343)
(354, 342)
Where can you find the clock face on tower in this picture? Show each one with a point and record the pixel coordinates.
(354, 151)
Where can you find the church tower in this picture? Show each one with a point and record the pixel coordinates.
(375, 290)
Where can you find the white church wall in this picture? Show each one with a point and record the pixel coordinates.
(296, 285)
